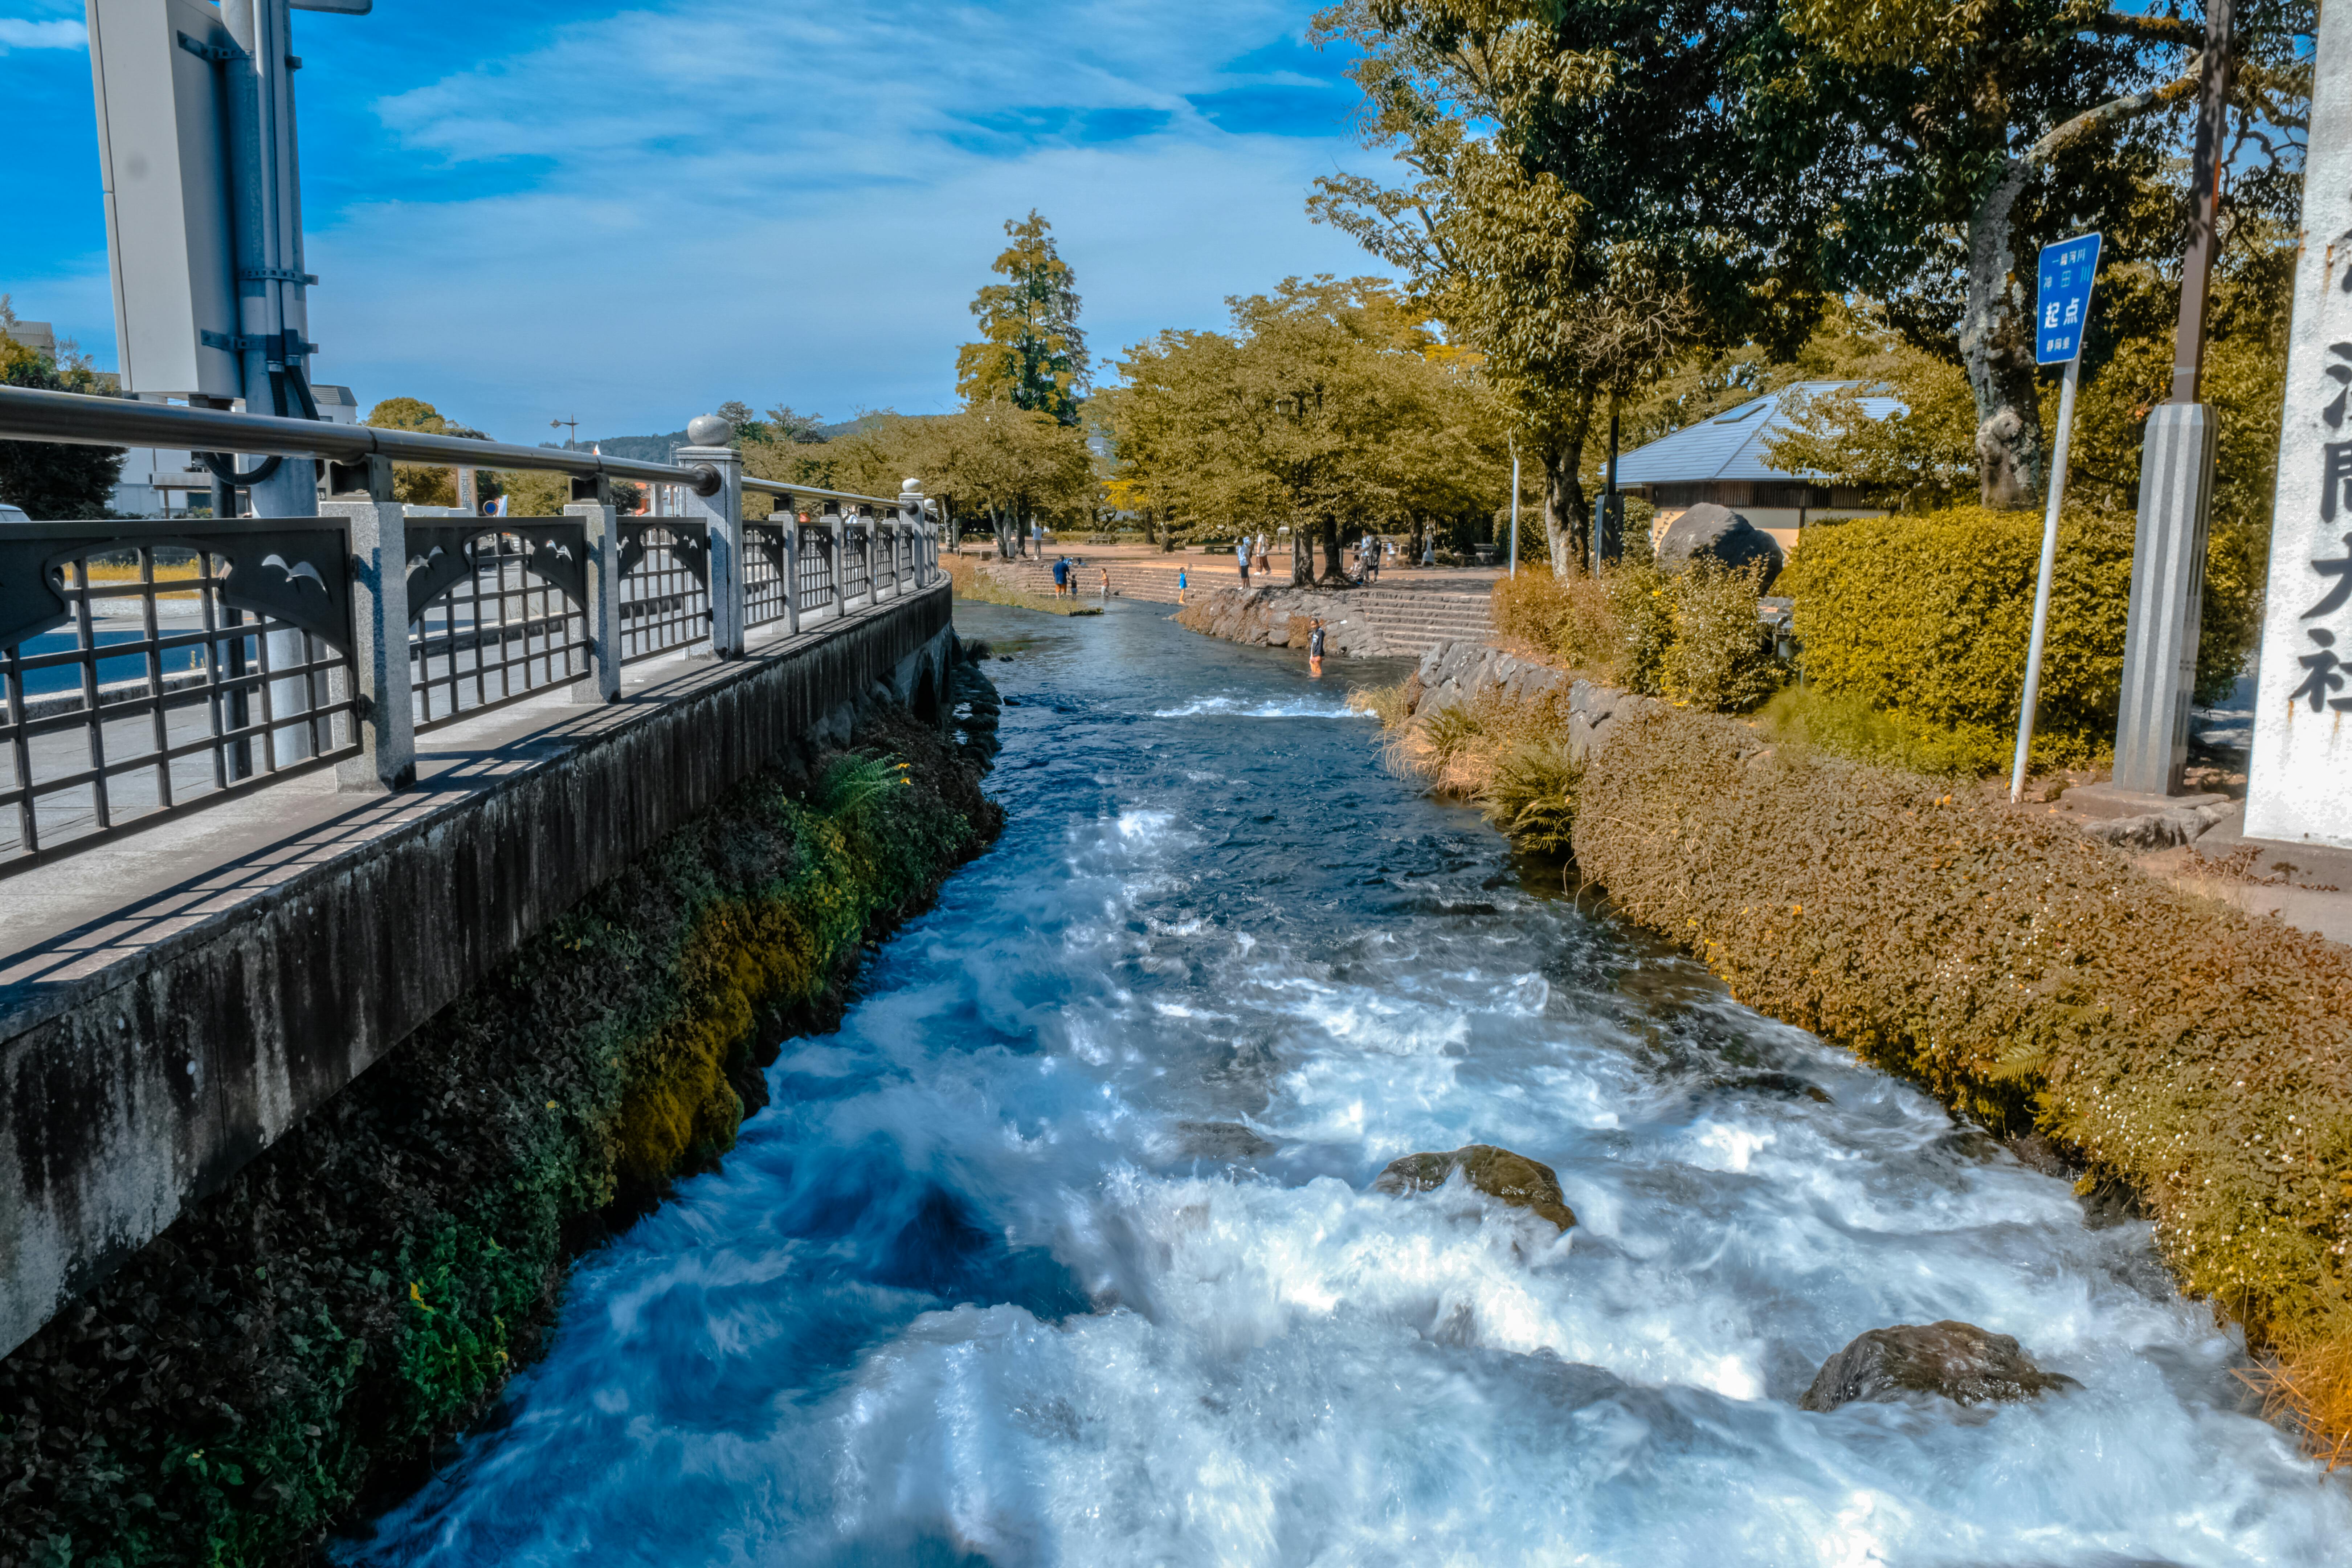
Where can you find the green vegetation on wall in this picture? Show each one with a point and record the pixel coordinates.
(364, 1287)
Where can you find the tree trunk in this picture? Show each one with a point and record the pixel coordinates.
(1335, 570)
(1997, 348)
(1302, 558)
(1568, 523)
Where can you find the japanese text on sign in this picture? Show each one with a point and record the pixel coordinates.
(2326, 667)
(2063, 303)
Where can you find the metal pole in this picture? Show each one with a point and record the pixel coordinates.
(1609, 540)
(2041, 581)
(2204, 202)
(1515, 508)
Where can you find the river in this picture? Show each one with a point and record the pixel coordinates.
(1064, 1250)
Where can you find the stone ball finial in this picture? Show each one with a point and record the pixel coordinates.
(911, 487)
(707, 430)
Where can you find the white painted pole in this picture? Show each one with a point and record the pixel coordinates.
(2042, 581)
(1515, 508)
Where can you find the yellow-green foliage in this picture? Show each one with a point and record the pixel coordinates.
(1849, 726)
(1691, 637)
(2031, 977)
(1927, 618)
(364, 1287)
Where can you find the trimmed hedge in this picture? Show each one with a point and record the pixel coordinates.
(2033, 978)
(365, 1286)
(1928, 618)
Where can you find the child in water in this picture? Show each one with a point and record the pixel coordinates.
(1179, 584)
(1315, 651)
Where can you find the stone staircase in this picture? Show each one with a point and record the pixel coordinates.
(1412, 621)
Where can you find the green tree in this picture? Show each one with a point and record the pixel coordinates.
(1973, 133)
(1328, 408)
(419, 484)
(1031, 354)
(49, 481)
(1595, 187)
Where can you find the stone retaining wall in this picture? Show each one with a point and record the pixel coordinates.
(129, 1092)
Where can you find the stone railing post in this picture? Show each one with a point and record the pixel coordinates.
(603, 610)
(785, 509)
(836, 530)
(382, 705)
(723, 508)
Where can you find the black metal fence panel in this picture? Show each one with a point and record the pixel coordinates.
(818, 589)
(765, 564)
(856, 564)
(498, 612)
(664, 586)
(152, 666)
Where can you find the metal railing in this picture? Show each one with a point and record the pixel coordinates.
(149, 667)
(497, 612)
(664, 586)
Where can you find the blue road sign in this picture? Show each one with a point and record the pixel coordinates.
(2063, 302)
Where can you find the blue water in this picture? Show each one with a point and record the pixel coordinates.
(1062, 1249)
(63, 678)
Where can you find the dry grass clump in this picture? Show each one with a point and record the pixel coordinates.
(2033, 978)
(1509, 758)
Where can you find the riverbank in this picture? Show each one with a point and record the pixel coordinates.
(2178, 1054)
(300, 1341)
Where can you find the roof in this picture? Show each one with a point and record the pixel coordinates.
(1731, 444)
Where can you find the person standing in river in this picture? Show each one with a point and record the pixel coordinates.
(1061, 576)
(1105, 584)
(1315, 651)
(1179, 584)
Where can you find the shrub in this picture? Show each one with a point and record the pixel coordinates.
(1533, 792)
(1849, 727)
(2029, 977)
(1616, 627)
(1718, 660)
(1928, 618)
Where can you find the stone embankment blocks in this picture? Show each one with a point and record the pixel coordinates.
(1360, 623)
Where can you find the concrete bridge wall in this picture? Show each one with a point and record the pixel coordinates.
(129, 1091)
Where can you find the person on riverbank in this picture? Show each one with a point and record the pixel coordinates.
(1061, 575)
(1179, 584)
(1315, 651)
(1240, 558)
(1265, 554)
(1105, 584)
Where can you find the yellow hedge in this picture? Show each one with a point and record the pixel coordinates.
(1928, 618)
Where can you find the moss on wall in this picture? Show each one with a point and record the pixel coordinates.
(299, 1341)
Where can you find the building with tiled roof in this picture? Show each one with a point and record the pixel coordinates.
(1722, 460)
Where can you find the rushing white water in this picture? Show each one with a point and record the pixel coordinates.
(1063, 1251)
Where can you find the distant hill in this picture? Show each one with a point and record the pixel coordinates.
(658, 448)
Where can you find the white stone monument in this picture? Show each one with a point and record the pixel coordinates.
(2300, 786)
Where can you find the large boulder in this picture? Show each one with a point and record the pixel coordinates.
(1720, 534)
(1965, 1364)
(1514, 1178)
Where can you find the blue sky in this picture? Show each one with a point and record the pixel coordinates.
(522, 210)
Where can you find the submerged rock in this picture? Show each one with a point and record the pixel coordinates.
(1222, 1140)
(1516, 1180)
(1965, 1364)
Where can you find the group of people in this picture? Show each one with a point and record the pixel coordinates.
(1372, 551)
(1065, 580)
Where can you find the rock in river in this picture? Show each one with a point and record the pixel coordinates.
(1497, 1173)
(1960, 1361)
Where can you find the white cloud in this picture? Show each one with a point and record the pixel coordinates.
(731, 200)
(18, 34)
